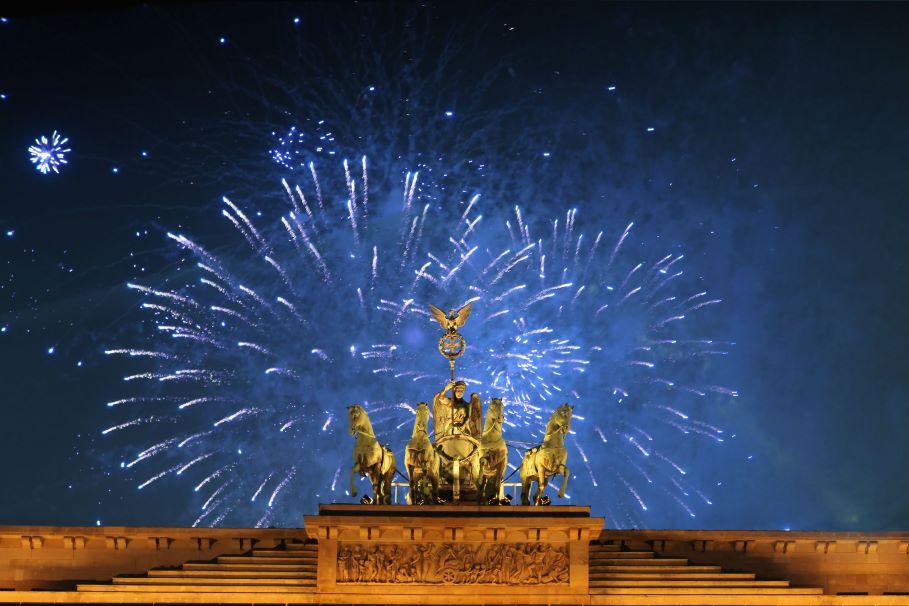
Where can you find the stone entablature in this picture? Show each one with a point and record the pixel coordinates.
(777, 541)
(53, 558)
(39, 557)
(839, 562)
(505, 549)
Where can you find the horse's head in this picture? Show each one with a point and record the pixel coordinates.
(357, 419)
(560, 419)
(495, 413)
(422, 415)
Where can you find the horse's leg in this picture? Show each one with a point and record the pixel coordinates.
(433, 476)
(373, 473)
(500, 481)
(526, 480)
(380, 486)
(542, 482)
(389, 478)
(475, 469)
(384, 486)
(427, 477)
(413, 484)
(481, 481)
(383, 494)
(354, 470)
(565, 473)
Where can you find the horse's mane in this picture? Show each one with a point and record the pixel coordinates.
(368, 429)
(551, 423)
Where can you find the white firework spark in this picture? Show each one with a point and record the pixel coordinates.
(49, 154)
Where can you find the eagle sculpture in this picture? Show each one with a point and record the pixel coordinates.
(453, 321)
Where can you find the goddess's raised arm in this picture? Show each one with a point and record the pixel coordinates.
(445, 390)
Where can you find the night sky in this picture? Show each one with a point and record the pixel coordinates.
(767, 142)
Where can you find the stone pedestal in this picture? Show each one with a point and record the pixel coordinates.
(455, 550)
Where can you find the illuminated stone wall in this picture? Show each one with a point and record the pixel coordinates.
(839, 562)
(506, 558)
(54, 557)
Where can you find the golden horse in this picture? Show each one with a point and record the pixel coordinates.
(493, 455)
(548, 459)
(422, 461)
(370, 458)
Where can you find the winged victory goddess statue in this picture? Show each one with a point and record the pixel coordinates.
(452, 414)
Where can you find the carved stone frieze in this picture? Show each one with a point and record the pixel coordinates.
(453, 563)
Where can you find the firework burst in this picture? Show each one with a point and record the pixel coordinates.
(254, 352)
(49, 154)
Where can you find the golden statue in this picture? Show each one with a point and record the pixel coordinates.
(493, 456)
(460, 455)
(548, 459)
(371, 458)
(453, 414)
(452, 344)
(457, 423)
(453, 321)
(422, 461)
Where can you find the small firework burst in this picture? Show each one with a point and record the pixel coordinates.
(49, 154)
